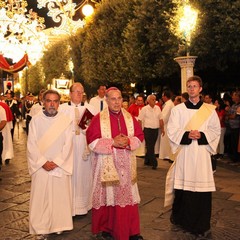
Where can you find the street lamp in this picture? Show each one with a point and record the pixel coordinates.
(187, 23)
(63, 11)
(87, 10)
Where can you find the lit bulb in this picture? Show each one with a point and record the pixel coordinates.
(87, 10)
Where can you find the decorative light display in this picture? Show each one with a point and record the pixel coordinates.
(20, 31)
(62, 12)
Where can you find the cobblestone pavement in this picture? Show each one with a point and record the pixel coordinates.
(155, 224)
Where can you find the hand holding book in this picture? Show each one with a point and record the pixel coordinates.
(86, 119)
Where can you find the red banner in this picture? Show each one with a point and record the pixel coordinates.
(20, 65)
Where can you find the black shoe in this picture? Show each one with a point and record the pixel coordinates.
(154, 167)
(7, 161)
(203, 234)
(107, 236)
(136, 237)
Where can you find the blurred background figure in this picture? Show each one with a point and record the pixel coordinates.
(99, 102)
(125, 105)
(220, 109)
(184, 97)
(13, 104)
(177, 100)
(165, 149)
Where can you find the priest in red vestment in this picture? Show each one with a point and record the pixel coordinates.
(113, 135)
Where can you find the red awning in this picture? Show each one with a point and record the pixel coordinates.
(20, 65)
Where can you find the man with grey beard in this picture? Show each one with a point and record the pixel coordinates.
(50, 163)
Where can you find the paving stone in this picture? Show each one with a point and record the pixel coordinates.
(5, 194)
(23, 207)
(21, 198)
(4, 206)
(10, 234)
(7, 217)
(21, 224)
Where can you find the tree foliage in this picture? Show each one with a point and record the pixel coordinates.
(56, 61)
(149, 46)
(102, 52)
(33, 79)
(218, 42)
(36, 79)
(132, 41)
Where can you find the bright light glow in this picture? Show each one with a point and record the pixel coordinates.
(188, 22)
(87, 10)
(20, 32)
(132, 85)
(17, 86)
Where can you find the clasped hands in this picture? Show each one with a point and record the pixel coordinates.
(49, 166)
(120, 141)
(194, 134)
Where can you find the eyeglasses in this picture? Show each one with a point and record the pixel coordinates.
(75, 91)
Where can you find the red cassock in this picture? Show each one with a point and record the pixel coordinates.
(122, 219)
(134, 109)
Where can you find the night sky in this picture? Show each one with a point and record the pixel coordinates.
(32, 4)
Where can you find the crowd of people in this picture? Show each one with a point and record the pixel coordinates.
(82, 154)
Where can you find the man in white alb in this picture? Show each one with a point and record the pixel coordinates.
(82, 167)
(50, 163)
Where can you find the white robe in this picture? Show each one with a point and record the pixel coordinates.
(7, 142)
(164, 148)
(50, 199)
(35, 109)
(82, 167)
(96, 103)
(193, 169)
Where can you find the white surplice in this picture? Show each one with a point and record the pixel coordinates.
(51, 198)
(82, 166)
(193, 169)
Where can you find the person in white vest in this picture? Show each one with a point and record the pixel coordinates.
(99, 102)
(194, 131)
(50, 163)
(82, 167)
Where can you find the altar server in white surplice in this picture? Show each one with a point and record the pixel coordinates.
(50, 162)
(194, 132)
(82, 167)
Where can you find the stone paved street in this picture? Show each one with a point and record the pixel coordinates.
(155, 224)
